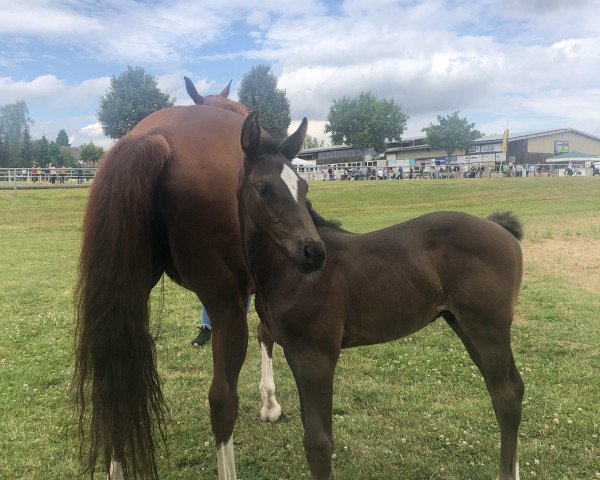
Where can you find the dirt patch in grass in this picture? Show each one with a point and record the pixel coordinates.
(576, 259)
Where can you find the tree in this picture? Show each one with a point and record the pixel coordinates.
(62, 139)
(88, 152)
(259, 92)
(40, 151)
(54, 153)
(451, 134)
(26, 150)
(14, 131)
(311, 142)
(66, 158)
(132, 96)
(365, 121)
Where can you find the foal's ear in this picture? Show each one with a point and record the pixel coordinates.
(225, 92)
(192, 92)
(290, 147)
(250, 135)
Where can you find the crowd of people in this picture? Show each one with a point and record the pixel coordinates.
(428, 171)
(475, 170)
(51, 174)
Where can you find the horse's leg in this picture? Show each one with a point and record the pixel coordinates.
(230, 341)
(471, 350)
(491, 342)
(313, 372)
(271, 410)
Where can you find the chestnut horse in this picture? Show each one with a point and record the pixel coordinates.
(315, 282)
(163, 200)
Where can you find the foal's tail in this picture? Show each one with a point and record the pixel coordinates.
(117, 386)
(509, 221)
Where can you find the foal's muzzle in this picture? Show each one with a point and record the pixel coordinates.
(310, 256)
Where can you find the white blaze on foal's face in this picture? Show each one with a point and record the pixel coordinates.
(290, 178)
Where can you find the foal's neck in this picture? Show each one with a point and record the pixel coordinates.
(267, 263)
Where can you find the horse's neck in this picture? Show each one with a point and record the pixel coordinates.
(267, 262)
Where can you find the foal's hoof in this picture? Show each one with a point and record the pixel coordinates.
(270, 414)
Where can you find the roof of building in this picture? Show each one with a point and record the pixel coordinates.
(532, 134)
(573, 156)
(325, 149)
(512, 136)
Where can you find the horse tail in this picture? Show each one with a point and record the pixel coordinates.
(116, 382)
(510, 222)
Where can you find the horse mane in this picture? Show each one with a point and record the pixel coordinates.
(226, 104)
(321, 222)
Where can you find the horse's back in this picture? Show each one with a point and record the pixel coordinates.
(484, 255)
(443, 253)
(196, 194)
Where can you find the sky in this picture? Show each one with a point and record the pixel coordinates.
(529, 64)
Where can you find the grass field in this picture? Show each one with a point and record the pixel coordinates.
(415, 409)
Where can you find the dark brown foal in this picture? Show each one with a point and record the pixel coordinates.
(446, 264)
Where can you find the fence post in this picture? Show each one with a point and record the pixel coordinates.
(15, 179)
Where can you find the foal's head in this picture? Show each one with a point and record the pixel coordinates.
(272, 197)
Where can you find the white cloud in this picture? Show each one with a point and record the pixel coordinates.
(44, 19)
(527, 61)
(92, 133)
(52, 92)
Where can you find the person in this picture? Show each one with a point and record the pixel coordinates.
(570, 169)
(331, 174)
(34, 173)
(511, 169)
(205, 331)
(79, 176)
(52, 170)
(324, 173)
(63, 171)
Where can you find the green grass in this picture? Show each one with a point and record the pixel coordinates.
(413, 409)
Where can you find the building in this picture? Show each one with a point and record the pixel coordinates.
(340, 155)
(523, 148)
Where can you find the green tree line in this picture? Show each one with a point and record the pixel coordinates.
(19, 150)
(362, 121)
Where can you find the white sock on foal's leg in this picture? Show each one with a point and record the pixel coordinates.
(115, 472)
(226, 460)
(517, 477)
(271, 410)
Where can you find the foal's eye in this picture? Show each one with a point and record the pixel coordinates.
(264, 190)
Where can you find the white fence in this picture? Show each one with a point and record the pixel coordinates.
(27, 178)
(343, 172)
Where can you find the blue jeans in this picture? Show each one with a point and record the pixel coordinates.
(205, 322)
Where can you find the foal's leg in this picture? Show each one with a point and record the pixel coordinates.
(313, 372)
(489, 347)
(229, 344)
(116, 472)
(271, 410)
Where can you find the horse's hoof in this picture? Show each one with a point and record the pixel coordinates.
(270, 415)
